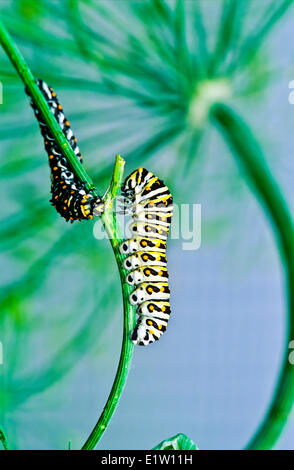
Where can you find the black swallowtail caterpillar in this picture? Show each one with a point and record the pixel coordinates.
(150, 204)
(70, 197)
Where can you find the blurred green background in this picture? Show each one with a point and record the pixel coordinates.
(138, 78)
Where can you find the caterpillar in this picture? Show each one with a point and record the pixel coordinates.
(149, 202)
(72, 200)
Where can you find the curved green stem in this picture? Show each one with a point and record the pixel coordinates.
(116, 238)
(28, 79)
(3, 440)
(108, 219)
(250, 157)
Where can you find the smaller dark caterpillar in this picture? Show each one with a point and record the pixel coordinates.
(72, 200)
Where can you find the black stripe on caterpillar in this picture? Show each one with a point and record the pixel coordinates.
(149, 202)
(72, 200)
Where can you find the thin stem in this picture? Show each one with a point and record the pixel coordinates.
(250, 157)
(254, 41)
(108, 219)
(3, 440)
(116, 238)
(28, 79)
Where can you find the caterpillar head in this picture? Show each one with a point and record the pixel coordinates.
(99, 207)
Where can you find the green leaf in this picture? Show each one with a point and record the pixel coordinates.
(177, 442)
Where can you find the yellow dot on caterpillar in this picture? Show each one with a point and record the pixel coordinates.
(159, 327)
(59, 106)
(56, 197)
(148, 228)
(152, 332)
(65, 208)
(53, 94)
(51, 156)
(64, 187)
(75, 139)
(144, 243)
(145, 257)
(150, 289)
(149, 322)
(162, 289)
(147, 272)
(163, 309)
(65, 202)
(160, 273)
(151, 308)
(157, 244)
(67, 123)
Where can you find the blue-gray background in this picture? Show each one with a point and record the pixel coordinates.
(213, 373)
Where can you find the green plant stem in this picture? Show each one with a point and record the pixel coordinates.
(28, 79)
(3, 440)
(108, 219)
(116, 238)
(250, 157)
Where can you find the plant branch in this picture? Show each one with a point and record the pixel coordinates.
(108, 219)
(116, 238)
(28, 79)
(3, 440)
(254, 41)
(250, 157)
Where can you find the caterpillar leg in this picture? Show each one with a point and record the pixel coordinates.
(148, 330)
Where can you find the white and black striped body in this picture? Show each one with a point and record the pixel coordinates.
(150, 203)
(70, 197)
